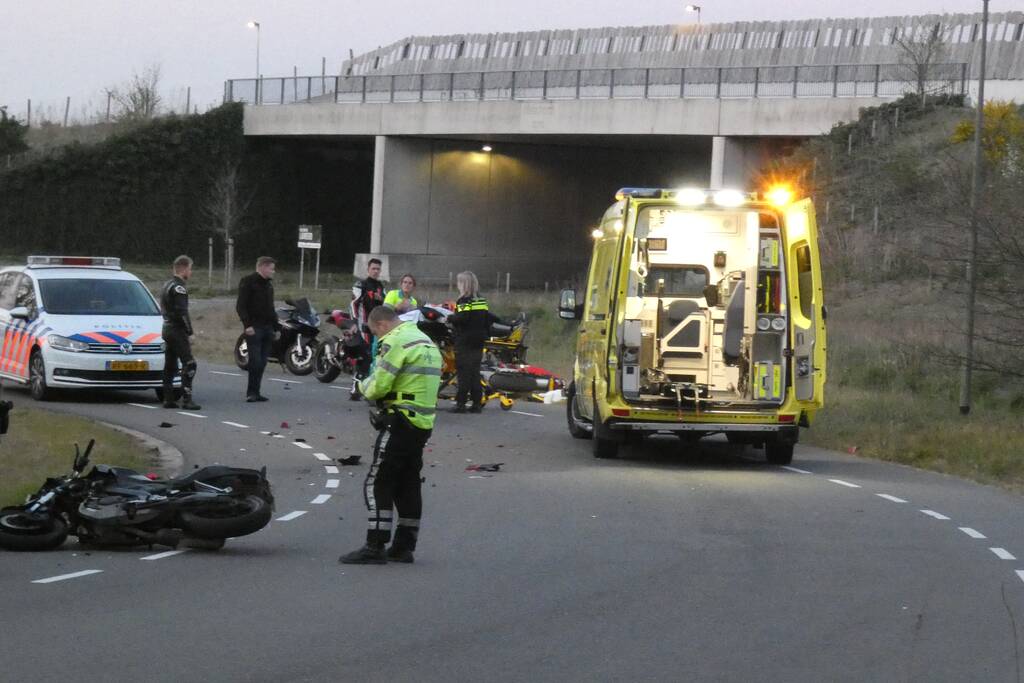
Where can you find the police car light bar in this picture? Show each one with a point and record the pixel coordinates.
(78, 261)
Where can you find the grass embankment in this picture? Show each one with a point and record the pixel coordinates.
(888, 399)
(40, 444)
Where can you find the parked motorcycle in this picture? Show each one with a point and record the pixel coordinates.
(118, 506)
(343, 354)
(296, 347)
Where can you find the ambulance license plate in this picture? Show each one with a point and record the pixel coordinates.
(129, 365)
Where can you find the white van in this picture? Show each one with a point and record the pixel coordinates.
(78, 322)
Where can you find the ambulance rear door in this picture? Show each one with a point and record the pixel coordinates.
(806, 304)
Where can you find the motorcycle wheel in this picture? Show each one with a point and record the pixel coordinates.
(245, 516)
(20, 531)
(242, 352)
(298, 362)
(323, 368)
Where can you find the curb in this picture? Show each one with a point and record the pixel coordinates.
(169, 458)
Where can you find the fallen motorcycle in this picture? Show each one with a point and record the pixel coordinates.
(296, 346)
(118, 506)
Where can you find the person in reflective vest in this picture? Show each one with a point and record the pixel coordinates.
(471, 324)
(404, 384)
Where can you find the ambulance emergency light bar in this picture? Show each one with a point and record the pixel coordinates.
(692, 196)
(78, 261)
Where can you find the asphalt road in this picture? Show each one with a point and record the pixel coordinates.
(674, 564)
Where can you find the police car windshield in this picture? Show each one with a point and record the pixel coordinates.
(96, 297)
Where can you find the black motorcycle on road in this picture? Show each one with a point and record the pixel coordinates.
(296, 346)
(118, 506)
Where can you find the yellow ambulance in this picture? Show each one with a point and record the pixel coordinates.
(703, 314)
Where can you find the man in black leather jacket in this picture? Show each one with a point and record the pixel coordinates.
(176, 332)
(255, 308)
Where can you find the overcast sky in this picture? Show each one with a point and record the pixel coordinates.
(50, 49)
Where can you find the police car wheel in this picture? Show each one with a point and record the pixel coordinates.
(37, 378)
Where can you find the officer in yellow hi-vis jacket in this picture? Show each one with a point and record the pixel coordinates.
(404, 384)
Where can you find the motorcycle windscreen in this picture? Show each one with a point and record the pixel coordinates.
(806, 304)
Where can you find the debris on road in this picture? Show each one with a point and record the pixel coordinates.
(350, 460)
(491, 467)
(300, 439)
(284, 425)
(165, 425)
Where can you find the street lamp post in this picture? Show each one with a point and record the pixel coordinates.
(694, 8)
(256, 25)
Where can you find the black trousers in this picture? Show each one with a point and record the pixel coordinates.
(393, 484)
(467, 371)
(177, 350)
(259, 346)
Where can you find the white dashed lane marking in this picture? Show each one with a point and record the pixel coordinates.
(65, 577)
(933, 513)
(521, 412)
(971, 532)
(1020, 573)
(1002, 553)
(796, 469)
(285, 381)
(845, 483)
(229, 374)
(142, 405)
(892, 498)
(160, 556)
(321, 456)
(332, 483)
(302, 445)
(321, 499)
(291, 515)
(234, 424)
(187, 414)
(331, 469)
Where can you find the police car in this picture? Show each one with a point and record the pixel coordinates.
(78, 322)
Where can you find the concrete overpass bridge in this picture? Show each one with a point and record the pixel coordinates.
(566, 117)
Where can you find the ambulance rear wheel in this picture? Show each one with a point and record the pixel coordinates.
(37, 378)
(779, 452)
(604, 448)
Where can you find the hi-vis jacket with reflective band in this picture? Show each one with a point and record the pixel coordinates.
(472, 322)
(407, 376)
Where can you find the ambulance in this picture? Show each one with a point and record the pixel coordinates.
(78, 322)
(703, 314)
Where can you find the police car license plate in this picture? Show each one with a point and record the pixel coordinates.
(130, 365)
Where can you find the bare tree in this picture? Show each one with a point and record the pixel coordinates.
(138, 99)
(226, 203)
(921, 48)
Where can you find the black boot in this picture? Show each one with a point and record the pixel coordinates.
(368, 554)
(168, 403)
(400, 554)
(459, 408)
(188, 404)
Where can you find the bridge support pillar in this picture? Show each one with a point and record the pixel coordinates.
(733, 162)
(376, 217)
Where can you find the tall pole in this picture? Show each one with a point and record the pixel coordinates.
(972, 250)
(256, 25)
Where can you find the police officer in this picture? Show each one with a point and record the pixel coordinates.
(176, 331)
(404, 383)
(471, 324)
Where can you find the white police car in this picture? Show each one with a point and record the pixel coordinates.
(78, 322)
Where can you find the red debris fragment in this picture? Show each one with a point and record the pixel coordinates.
(284, 425)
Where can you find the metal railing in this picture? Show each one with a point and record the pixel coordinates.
(832, 80)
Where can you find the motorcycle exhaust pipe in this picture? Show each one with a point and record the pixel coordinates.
(168, 537)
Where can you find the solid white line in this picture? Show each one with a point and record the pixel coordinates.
(65, 577)
(182, 412)
(796, 469)
(892, 498)
(933, 513)
(142, 405)
(229, 374)
(321, 456)
(1020, 573)
(234, 424)
(334, 386)
(1003, 553)
(160, 556)
(321, 499)
(520, 412)
(845, 483)
(285, 381)
(291, 515)
(332, 483)
(331, 469)
(971, 532)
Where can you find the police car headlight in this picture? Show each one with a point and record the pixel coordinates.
(163, 346)
(64, 344)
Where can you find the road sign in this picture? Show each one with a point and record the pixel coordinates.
(309, 236)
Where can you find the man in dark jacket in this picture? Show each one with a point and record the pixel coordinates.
(367, 294)
(255, 308)
(471, 323)
(176, 332)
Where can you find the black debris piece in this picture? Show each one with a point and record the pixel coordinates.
(491, 467)
(165, 425)
(350, 460)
